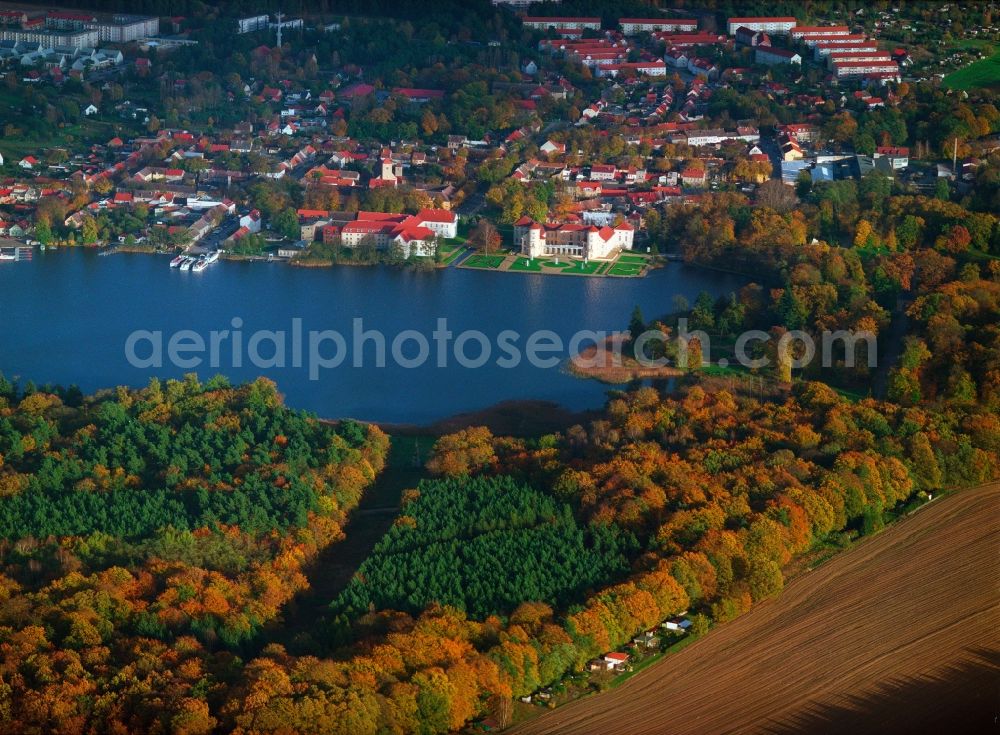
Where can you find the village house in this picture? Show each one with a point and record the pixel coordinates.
(677, 625)
(550, 147)
(616, 661)
(694, 176)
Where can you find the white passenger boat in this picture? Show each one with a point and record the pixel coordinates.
(176, 262)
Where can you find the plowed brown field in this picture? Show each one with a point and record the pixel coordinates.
(899, 634)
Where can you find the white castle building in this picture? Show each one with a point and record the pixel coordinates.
(588, 242)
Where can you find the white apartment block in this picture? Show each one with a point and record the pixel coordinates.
(252, 23)
(765, 24)
(518, 4)
(125, 28)
(862, 47)
(543, 23)
(843, 56)
(47, 38)
(847, 69)
(806, 32)
(649, 25)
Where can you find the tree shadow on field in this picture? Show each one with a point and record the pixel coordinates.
(959, 698)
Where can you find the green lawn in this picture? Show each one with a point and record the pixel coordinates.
(528, 266)
(483, 261)
(967, 43)
(583, 268)
(625, 269)
(985, 73)
(625, 258)
(451, 250)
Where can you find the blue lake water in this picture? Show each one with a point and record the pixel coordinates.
(66, 315)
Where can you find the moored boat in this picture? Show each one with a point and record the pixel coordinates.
(199, 266)
(186, 265)
(176, 262)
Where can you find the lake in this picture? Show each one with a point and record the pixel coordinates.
(68, 314)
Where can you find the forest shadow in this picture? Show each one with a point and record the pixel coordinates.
(961, 697)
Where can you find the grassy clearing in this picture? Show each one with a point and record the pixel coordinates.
(985, 73)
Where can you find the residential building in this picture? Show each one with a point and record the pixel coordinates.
(631, 26)
(550, 146)
(519, 4)
(615, 661)
(694, 176)
(800, 131)
(766, 24)
(835, 39)
(603, 172)
(50, 38)
(252, 23)
(848, 69)
(649, 68)
(770, 55)
(676, 58)
(68, 20)
(687, 40)
(702, 68)
(13, 17)
(852, 55)
(543, 23)
(804, 32)
(716, 136)
(125, 28)
(749, 37)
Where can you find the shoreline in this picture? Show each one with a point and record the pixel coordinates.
(521, 417)
(607, 371)
(654, 262)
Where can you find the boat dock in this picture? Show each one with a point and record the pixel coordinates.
(13, 254)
